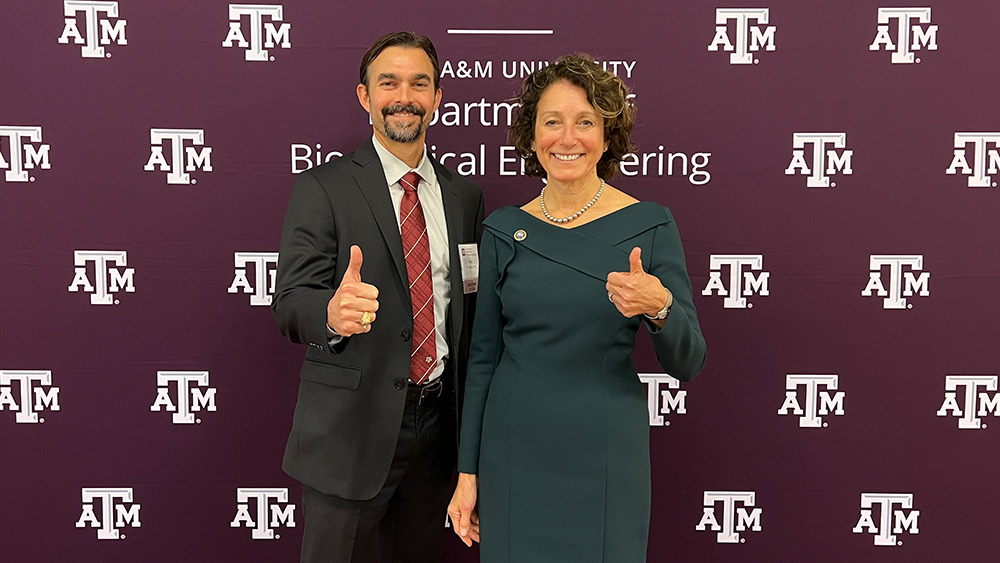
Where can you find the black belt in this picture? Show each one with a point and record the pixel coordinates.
(420, 394)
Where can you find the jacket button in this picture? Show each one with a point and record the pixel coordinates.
(405, 335)
(399, 385)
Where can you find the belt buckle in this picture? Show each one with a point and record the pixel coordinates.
(427, 390)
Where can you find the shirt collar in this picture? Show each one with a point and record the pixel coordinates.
(395, 169)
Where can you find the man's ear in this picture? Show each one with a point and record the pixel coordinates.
(437, 99)
(363, 98)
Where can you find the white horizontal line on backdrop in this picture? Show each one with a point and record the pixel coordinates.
(500, 31)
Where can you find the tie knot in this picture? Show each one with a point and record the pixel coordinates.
(410, 180)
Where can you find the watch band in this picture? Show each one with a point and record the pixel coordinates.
(662, 313)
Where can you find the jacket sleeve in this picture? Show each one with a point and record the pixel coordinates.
(307, 261)
(679, 345)
(486, 349)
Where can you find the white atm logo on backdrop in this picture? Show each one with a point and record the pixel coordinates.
(92, 48)
(901, 284)
(818, 403)
(265, 268)
(21, 155)
(109, 523)
(190, 399)
(107, 280)
(30, 385)
(824, 161)
(734, 518)
(737, 290)
(981, 156)
(196, 158)
(970, 414)
(262, 34)
(748, 38)
(904, 520)
(902, 50)
(266, 498)
(661, 402)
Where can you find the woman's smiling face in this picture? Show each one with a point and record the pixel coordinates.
(569, 133)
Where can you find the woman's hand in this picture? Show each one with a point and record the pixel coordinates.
(635, 292)
(462, 509)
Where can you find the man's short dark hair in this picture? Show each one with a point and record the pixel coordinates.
(400, 39)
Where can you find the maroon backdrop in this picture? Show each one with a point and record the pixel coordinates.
(832, 167)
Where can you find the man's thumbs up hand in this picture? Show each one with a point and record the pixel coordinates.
(353, 306)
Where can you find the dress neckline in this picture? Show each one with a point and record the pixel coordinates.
(581, 225)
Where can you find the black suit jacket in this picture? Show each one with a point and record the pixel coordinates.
(351, 396)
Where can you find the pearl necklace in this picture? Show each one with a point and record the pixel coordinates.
(541, 199)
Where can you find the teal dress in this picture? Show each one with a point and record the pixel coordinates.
(555, 421)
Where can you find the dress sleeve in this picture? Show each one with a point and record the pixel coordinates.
(679, 345)
(485, 351)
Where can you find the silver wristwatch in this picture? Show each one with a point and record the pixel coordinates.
(662, 313)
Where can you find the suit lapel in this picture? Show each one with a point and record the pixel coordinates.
(455, 220)
(371, 181)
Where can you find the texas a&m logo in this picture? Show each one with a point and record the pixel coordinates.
(818, 402)
(34, 391)
(734, 518)
(741, 283)
(665, 396)
(193, 395)
(907, 22)
(974, 402)
(96, 14)
(117, 511)
(749, 38)
(984, 158)
(178, 167)
(21, 154)
(267, 505)
(825, 161)
(901, 284)
(107, 279)
(262, 33)
(891, 519)
(265, 269)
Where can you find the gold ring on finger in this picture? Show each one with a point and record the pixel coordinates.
(366, 318)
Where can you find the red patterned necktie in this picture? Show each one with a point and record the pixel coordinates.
(417, 250)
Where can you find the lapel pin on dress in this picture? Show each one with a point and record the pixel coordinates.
(520, 235)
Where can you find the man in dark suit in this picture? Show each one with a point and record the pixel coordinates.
(370, 277)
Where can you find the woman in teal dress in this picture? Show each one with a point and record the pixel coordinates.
(554, 450)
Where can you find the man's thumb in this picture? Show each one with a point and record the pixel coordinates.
(354, 266)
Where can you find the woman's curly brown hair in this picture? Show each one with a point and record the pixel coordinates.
(605, 92)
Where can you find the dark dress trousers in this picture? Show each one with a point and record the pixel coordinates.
(352, 395)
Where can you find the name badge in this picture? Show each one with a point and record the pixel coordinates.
(469, 254)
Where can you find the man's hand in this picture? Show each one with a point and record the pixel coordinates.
(352, 308)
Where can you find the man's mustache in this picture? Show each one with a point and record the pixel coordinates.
(398, 108)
